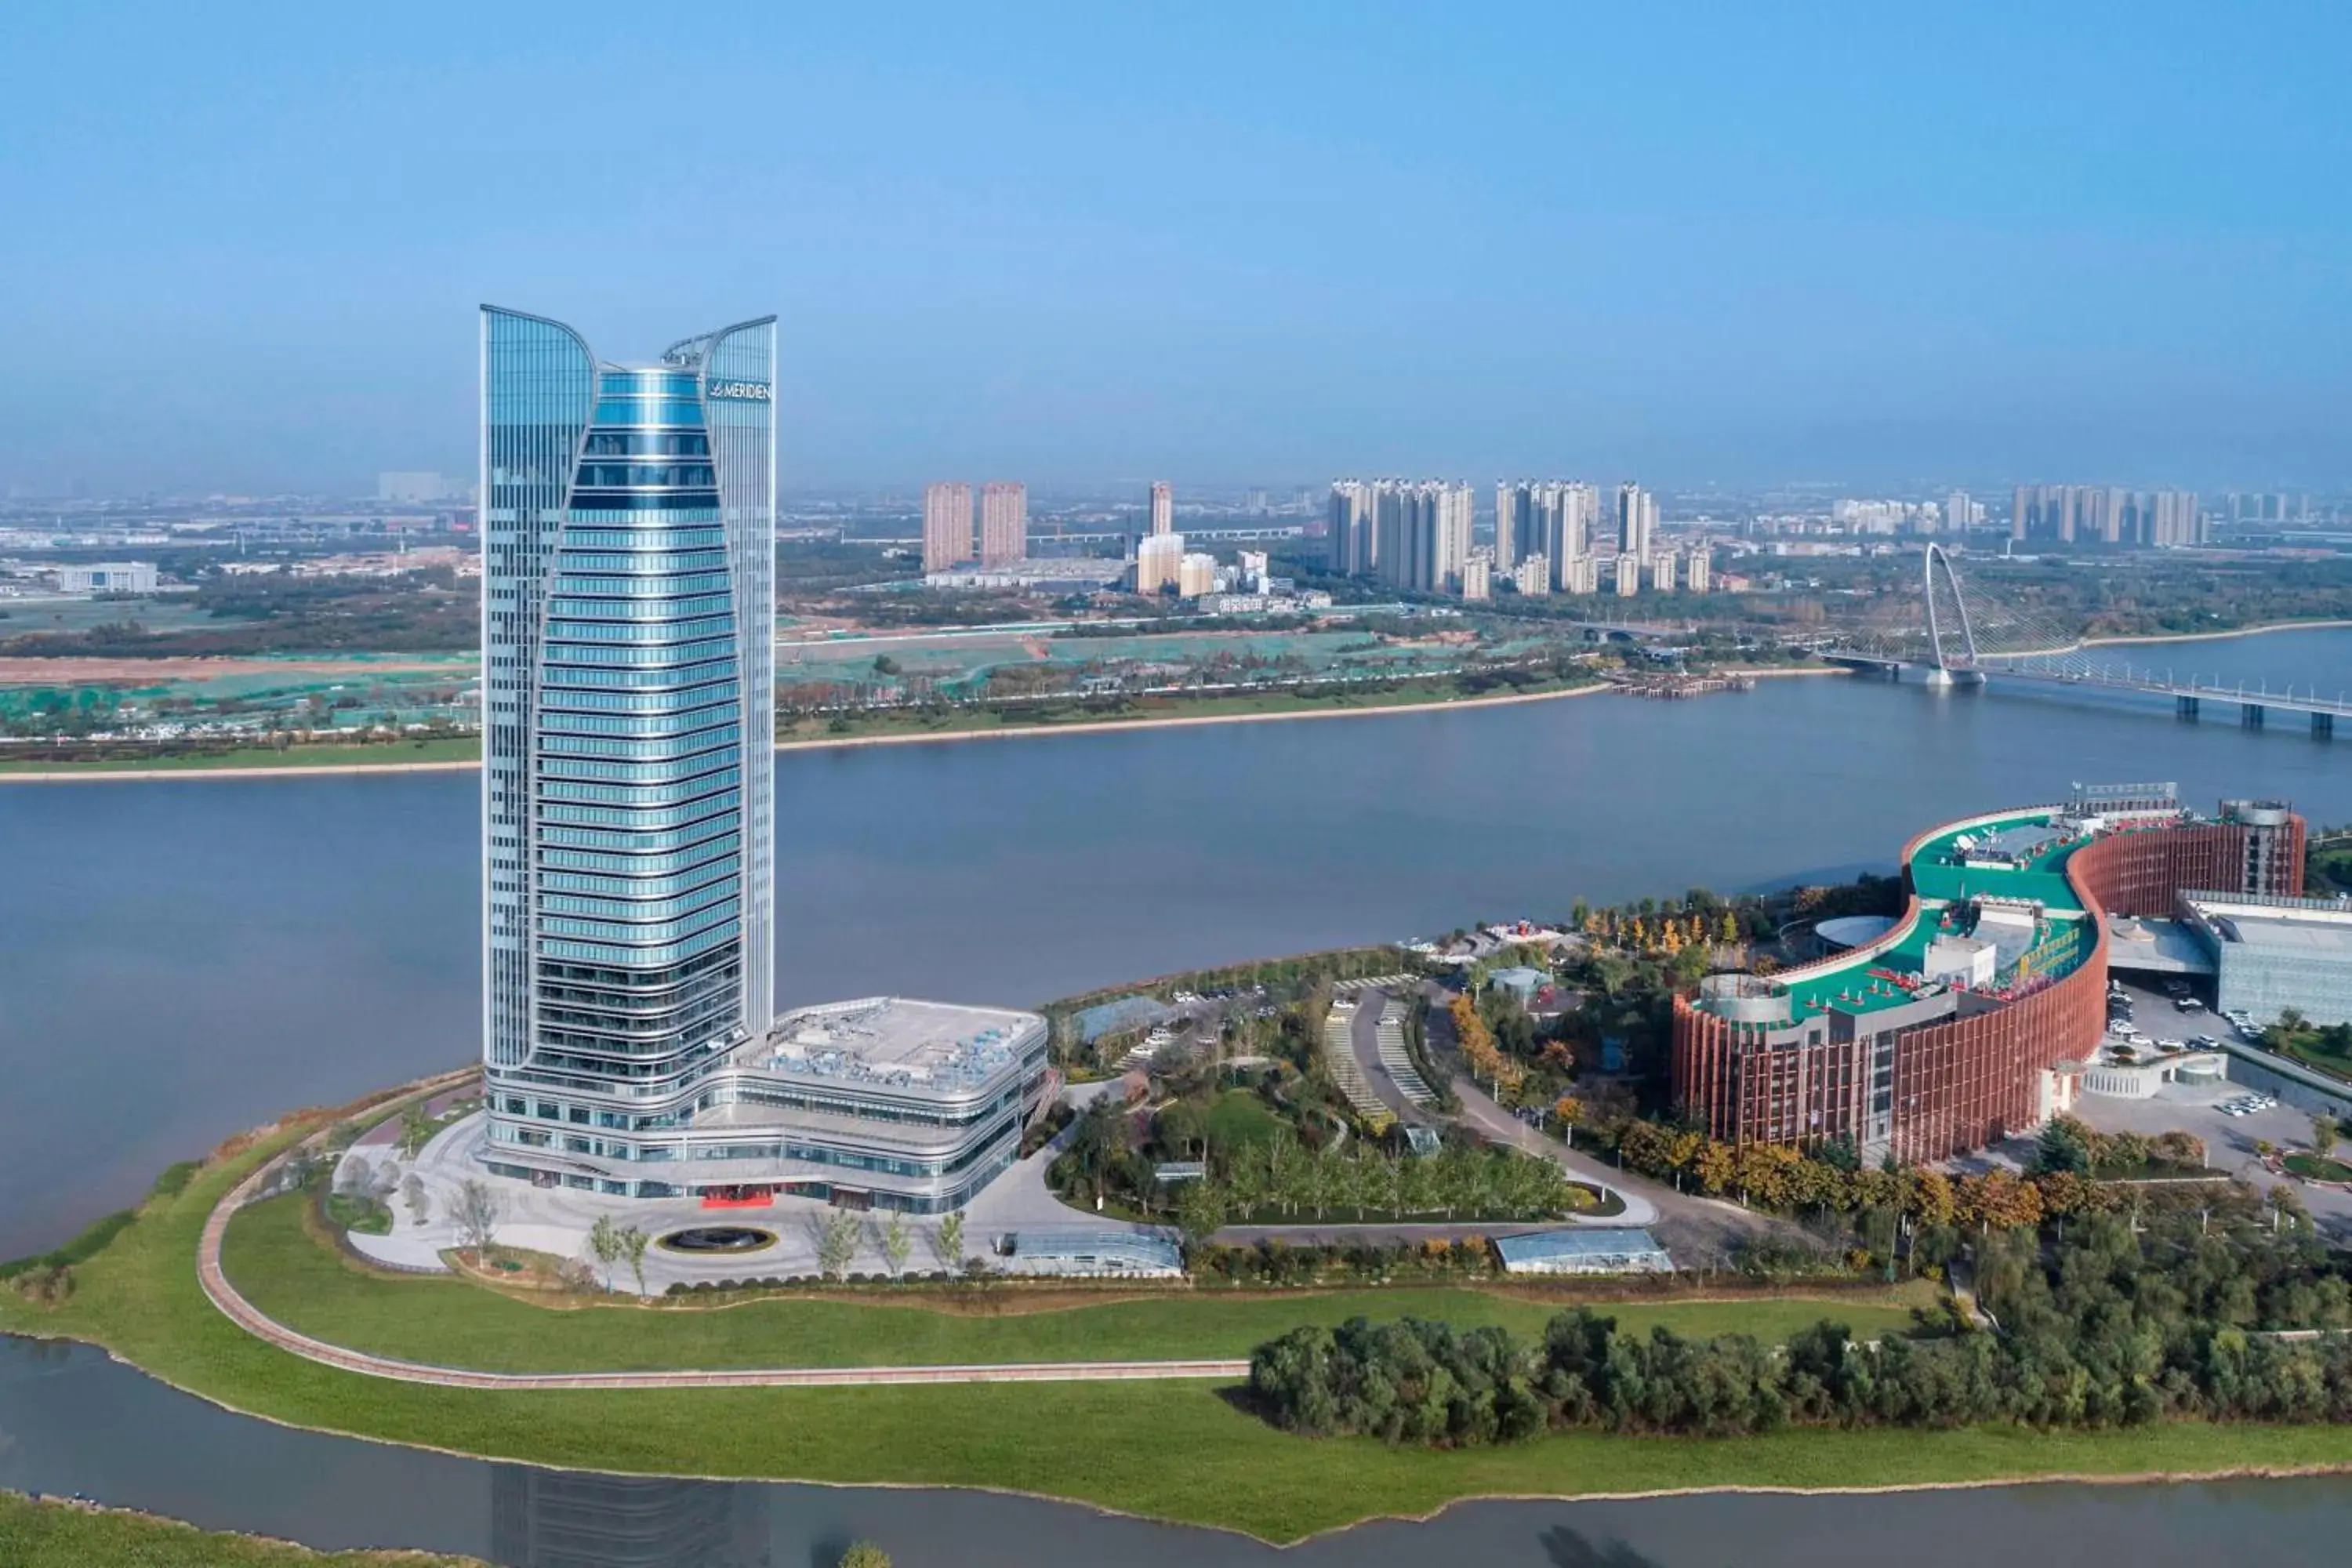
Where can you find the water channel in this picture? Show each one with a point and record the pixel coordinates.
(181, 960)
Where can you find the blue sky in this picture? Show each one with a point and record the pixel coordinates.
(1211, 241)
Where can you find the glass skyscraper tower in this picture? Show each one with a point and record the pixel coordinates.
(628, 661)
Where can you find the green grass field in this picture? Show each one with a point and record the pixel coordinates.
(58, 1535)
(1183, 1451)
(450, 1322)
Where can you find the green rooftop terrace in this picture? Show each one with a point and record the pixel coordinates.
(1847, 985)
(1936, 874)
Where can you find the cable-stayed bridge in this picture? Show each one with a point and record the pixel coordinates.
(1951, 633)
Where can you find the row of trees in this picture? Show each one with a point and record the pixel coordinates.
(2109, 1330)
(1484, 1057)
(1829, 1180)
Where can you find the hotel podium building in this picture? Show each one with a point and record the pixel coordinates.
(630, 1041)
(1975, 1015)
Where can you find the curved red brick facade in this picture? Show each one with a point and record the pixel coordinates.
(1971, 1079)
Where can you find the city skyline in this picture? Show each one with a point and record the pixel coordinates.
(1807, 267)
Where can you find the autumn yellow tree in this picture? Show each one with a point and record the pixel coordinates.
(1929, 1199)
(1717, 1166)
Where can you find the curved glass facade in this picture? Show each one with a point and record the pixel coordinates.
(628, 524)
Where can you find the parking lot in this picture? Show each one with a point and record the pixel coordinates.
(2230, 1139)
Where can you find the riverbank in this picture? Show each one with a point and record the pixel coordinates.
(2262, 630)
(1247, 710)
(53, 1533)
(1102, 1445)
(457, 754)
(466, 755)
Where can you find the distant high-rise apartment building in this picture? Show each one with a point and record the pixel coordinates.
(1960, 512)
(1637, 521)
(1351, 534)
(1532, 576)
(1628, 575)
(1564, 515)
(1698, 571)
(1583, 576)
(1477, 578)
(1196, 572)
(2174, 518)
(1509, 524)
(947, 526)
(2106, 515)
(1664, 569)
(1550, 518)
(411, 485)
(1003, 523)
(2042, 511)
(2268, 506)
(1159, 562)
(1163, 506)
(1413, 534)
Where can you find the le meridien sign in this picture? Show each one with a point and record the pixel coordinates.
(737, 391)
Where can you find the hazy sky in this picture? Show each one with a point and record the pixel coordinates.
(241, 246)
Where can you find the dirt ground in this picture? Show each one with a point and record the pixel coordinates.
(156, 671)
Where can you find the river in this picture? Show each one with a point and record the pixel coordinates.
(64, 1410)
(182, 959)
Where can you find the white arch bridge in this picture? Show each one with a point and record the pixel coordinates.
(1949, 633)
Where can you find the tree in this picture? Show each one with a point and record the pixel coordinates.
(633, 1247)
(864, 1554)
(416, 1130)
(896, 1243)
(1246, 1185)
(837, 1243)
(1200, 1211)
(2324, 1133)
(1717, 1167)
(420, 1207)
(479, 1214)
(948, 1240)
(605, 1246)
(1315, 1180)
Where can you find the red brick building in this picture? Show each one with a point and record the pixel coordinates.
(1967, 1021)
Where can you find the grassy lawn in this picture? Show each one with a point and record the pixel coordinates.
(448, 1321)
(59, 1535)
(2311, 1167)
(1240, 1118)
(1176, 1451)
(2313, 1053)
(461, 749)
